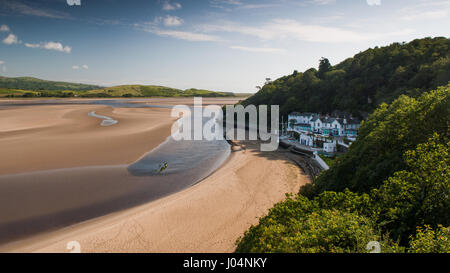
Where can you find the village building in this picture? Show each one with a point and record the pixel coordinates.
(330, 147)
(333, 128)
(343, 125)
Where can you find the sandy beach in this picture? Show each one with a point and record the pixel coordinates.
(53, 137)
(207, 217)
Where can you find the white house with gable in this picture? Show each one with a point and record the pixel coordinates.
(312, 125)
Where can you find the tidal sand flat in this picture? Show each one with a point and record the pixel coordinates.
(106, 121)
(35, 138)
(59, 166)
(69, 174)
(207, 217)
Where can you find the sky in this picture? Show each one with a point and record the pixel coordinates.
(221, 45)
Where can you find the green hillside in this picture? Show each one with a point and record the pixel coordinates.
(153, 91)
(384, 138)
(31, 87)
(393, 187)
(360, 84)
(34, 84)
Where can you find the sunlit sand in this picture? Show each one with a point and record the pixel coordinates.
(59, 154)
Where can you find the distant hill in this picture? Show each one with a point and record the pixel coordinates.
(359, 84)
(34, 84)
(32, 87)
(154, 91)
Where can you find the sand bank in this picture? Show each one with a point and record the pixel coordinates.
(207, 217)
(64, 136)
(45, 151)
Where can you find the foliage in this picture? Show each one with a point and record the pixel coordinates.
(419, 195)
(347, 201)
(428, 240)
(33, 84)
(40, 88)
(394, 179)
(324, 67)
(360, 84)
(329, 160)
(301, 226)
(384, 138)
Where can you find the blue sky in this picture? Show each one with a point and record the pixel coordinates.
(226, 45)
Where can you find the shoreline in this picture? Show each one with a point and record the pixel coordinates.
(38, 138)
(56, 158)
(223, 204)
(36, 198)
(207, 217)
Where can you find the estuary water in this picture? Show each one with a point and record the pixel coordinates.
(84, 193)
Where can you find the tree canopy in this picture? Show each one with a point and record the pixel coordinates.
(360, 84)
(393, 187)
(383, 139)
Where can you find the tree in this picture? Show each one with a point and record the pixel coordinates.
(324, 67)
(419, 195)
(428, 240)
(301, 226)
(383, 139)
(381, 74)
(398, 171)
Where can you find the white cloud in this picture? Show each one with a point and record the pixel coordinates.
(257, 6)
(185, 35)
(324, 2)
(290, 29)
(259, 49)
(172, 21)
(23, 8)
(11, 39)
(2, 62)
(51, 46)
(167, 5)
(4, 28)
(57, 46)
(182, 35)
(373, 2)
(77, 67)
(260, 32)
(32, 45)
(426, 11)
(231, 4)
(427, 15)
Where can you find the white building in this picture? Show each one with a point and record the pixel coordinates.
(324, 125)
(330, 147)
(315, 128)
(306, 140)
